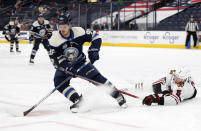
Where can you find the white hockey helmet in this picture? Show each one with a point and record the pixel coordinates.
(182, 73)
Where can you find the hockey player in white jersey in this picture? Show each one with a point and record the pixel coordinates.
(173, 89)
(66, 49)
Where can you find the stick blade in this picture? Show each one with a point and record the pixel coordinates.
(16, 113)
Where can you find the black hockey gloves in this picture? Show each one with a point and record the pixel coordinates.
(48, 35)
(31, 38)
(93, 55)
(148, 100)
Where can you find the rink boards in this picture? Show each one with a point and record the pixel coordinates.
(156, 39)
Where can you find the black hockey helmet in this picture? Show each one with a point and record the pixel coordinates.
(64, 19)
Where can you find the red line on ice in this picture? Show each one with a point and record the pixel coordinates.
(45, 122)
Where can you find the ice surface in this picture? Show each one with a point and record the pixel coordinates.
(23, 85)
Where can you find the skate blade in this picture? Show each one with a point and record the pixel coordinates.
(124, 106)
(74, 110)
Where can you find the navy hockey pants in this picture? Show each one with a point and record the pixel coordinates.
(37, 42)
(36, 45)
(13, 39)
(88, 71)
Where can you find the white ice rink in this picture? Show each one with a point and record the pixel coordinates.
(22, 85)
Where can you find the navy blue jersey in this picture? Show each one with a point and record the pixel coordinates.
(69, 51)
(40, 30)
(11, 28)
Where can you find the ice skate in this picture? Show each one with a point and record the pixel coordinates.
(75, 107)
(17, 50)
(11, 50)
(31, 61)
(120, 99)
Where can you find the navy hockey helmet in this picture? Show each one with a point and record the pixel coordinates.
(64, 19)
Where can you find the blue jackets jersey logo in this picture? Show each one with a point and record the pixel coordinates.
(71, 54)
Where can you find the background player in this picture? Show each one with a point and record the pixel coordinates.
(177, 87)
(67, 52)
(11, 32)
(40, 33)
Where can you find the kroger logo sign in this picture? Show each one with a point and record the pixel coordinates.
(150, 37)
(170, 38)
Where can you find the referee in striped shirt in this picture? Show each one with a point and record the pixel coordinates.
(192, 28)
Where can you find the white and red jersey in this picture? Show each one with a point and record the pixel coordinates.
(178, 91)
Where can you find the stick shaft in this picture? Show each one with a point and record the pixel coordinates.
(52, 91)
(95, 82)
(129, 94)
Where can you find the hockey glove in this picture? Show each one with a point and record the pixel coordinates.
(31, 38)
(93, 55)
(49, 35)
(148, 100)
(72, 71)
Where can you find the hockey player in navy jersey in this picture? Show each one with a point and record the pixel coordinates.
(66, 47)
(173, 89)
(40, 32)
(11, 32)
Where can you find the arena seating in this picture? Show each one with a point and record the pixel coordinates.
(179, 20)
(89, 13)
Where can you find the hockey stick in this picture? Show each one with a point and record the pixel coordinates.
(128, 94)
(94, 82)
(21, 114)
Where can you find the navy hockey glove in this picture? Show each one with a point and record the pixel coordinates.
(49, 35)
(31, 38)
(93, 55)
(72, 70)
